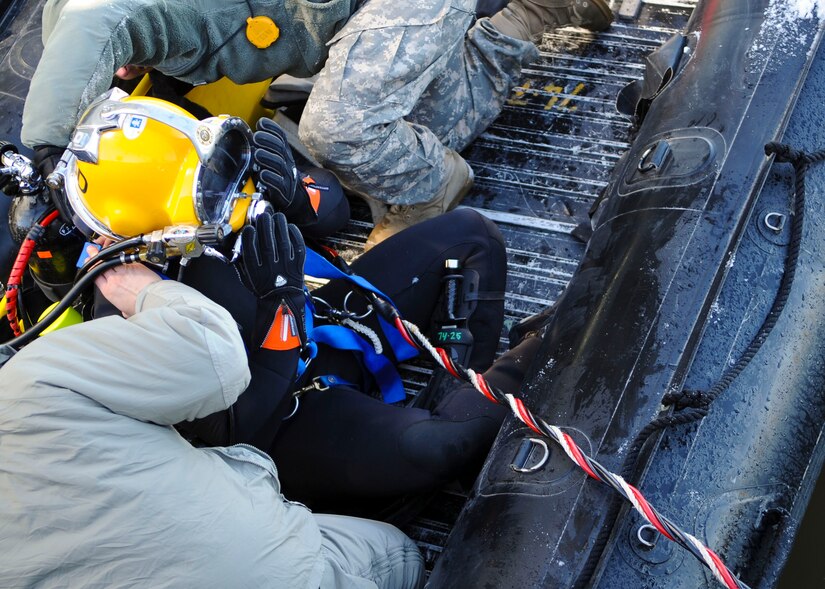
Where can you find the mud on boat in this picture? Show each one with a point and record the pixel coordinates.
(693, 301)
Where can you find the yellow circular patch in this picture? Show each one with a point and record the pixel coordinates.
(262, 31)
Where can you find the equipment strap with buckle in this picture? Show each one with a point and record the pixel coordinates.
(344, 338)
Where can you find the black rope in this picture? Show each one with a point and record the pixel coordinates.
(692, 405)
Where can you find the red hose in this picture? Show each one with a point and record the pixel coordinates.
(19, 267)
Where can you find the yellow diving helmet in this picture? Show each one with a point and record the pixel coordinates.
(138, 164)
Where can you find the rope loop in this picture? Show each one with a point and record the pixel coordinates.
(797, 157)
(784, 152)
(685, 399)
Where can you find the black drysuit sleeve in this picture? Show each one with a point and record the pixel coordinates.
(256, 415)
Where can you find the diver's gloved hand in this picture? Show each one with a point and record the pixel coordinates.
(9, 185)
(276, 175)
(272, 265)
(45, 159)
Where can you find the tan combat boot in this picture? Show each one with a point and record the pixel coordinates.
(526, 19)
(459, 181)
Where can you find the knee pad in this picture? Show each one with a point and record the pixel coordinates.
(333, 207)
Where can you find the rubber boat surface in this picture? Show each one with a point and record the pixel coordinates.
(689, 248)
(684, 262)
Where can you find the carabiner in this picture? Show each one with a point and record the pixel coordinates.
(353, 315)
(318, 383)
(337, 315)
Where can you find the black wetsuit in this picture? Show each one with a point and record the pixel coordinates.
(344, 444)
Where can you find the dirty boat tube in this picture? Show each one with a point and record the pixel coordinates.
(687, 254)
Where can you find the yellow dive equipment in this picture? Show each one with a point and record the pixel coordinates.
(224, 96)
(138, 164)
(69, 317)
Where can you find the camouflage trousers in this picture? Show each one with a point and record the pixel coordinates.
(403, 82)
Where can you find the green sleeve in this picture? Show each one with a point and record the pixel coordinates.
(197, 41)
(87, 41)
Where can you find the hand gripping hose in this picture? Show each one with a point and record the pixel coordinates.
(593, 469)
(66, 302)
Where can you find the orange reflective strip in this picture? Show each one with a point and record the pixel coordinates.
(314, 193)
(283, 333)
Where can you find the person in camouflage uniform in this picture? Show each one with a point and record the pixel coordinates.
(403, 91)
(402, 87)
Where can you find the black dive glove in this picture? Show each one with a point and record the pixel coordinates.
(272, 266)
(9, 185)
(276, 175)
(45, 159)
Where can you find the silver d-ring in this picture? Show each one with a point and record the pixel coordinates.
(641, 536)
(542, 460)
(350, 313)
(775, 221)
(315, 300)
(294, 409)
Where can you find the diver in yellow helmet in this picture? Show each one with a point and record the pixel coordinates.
(285, 411)
(138, 164)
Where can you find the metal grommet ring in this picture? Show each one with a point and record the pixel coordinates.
(294, 409)
(641, 533)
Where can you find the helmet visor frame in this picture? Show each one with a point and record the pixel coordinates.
(223, 145)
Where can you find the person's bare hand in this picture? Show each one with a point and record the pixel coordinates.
(122, 284)
(130, 72)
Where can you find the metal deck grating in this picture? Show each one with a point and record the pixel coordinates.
(539, 168)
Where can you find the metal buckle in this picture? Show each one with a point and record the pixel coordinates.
(338, 315)
(316, 384)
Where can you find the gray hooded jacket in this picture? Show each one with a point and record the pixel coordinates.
(97, 488)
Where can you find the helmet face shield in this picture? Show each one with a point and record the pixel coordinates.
(136, 165)
(221, 175)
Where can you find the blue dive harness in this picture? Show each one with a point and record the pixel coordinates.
(342, 337)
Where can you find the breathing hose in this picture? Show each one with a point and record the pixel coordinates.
(19, 267)
(98, 269)
(107, 252)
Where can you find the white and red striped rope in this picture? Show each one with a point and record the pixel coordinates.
(593, 469)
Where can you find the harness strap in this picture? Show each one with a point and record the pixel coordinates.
(385, 374)
(319, 267)
(343, 338)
